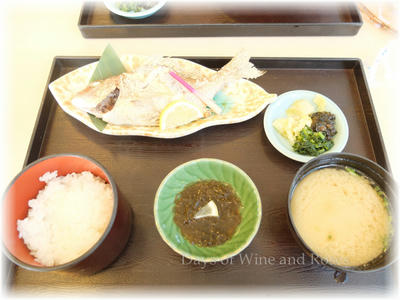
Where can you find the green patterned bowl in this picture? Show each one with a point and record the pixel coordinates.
(204, 169)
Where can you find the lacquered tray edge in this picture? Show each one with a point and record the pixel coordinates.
(270, 29)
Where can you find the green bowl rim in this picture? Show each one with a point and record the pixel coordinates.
(199, 258)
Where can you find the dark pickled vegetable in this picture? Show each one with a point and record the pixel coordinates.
(324, 122)
(207, 231)
(309, 142)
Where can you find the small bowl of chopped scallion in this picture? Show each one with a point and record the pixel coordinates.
(134, 9)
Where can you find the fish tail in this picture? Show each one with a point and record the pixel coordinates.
(240, 67)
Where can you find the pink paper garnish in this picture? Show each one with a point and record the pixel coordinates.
(209, 102)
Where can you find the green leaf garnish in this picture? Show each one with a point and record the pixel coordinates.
(99, 123)
(109, 65)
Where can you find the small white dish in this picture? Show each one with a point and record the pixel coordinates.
(112, 6)
(278, 109)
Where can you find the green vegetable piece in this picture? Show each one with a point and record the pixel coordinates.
(381, 194)
(351, 170)
(311, 143)
(134, 6)
(385, 243)
(109, 65)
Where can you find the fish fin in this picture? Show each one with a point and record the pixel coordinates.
(240, 67)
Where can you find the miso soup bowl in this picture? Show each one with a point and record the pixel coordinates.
(26, 185)
(374, 172)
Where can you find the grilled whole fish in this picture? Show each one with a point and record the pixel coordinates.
(138, 98)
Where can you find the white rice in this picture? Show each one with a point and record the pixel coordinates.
(67, 217)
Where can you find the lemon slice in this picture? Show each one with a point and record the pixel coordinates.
(209, 210)
(179, 113)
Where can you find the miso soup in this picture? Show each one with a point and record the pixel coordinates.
(342, 216)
